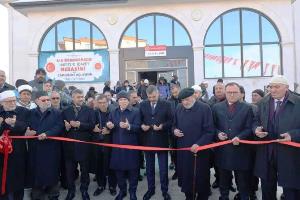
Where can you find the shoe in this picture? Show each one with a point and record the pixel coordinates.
(172, 166)
(232, 189)
(133, 196)
(148, 194)
(174, 177)
(98, 191)
(85, 195)
(237, 196)
(141, 177)
(112, 191)
(70, 196)
(215, 184)
(120, 196)
(166, 196)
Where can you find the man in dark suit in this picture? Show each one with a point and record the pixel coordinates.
(278, 118)
(3, 85)
(233, 121)
(156, 119)
(79, 124)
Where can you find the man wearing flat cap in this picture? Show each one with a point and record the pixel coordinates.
(193, 127)
(79, 122)
(14, 119)
(278, 119)
(44, 155)
(124, 124)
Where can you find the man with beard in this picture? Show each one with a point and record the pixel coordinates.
(102, 134)
(79, 124)
(124, 124)
(44, 155)
(156, 119)
(25, 93)
(233, 121)
(14, 119)
(37, 83)
(278, 119)
(193, 127)
(219, 94)
(3, 85)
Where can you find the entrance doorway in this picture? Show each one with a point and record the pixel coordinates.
(151, 76)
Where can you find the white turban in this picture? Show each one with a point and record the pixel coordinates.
(7, 94)
(24, 87)
(197, 88)
(279, 79)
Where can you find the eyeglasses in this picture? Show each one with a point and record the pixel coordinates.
(10, 101)
(44, 100)
(55, 98)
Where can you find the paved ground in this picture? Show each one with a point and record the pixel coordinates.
(142, 188)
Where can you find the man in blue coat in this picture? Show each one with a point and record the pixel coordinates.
(124, 123)
(44, 155)
(278, 118)
(193, 126)
(233, 121)
(156, 119)
(79, 123)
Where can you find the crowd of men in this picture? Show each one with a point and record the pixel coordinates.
(185, 118)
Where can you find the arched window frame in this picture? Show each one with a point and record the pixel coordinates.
(241, 43)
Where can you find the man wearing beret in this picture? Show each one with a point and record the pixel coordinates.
(44, 155)
(14, 119)
(124, 124)
(278, 119)
(79, 123)
(193, 126)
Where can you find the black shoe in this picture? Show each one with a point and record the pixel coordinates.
(70, 196)
(112, 191)
(98, 191)
(167, 196)
(232, 189)
(141, 177)
(85, 195)
(174, 177)
(172, 166)
(237, 196)
(215, 184)
(133, 196)
(282, 197)
(120, 196)
(148, 194)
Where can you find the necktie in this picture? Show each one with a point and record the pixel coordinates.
(278, 104)
(152, 108)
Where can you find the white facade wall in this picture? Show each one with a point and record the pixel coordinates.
(27, 31)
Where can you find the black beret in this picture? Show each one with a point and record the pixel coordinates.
(39, 94)
(186, 92)
(122, 94)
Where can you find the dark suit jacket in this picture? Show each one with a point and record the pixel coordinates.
(288, 159)
(7, 86)
(86, 116)
(238, 124)
(163, 115)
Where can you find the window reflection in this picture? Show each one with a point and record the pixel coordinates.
(260, 44)
(129, 37)
(65, 35)
(231, 27)
(164, 31)
(146, 31)
(49, 41)
(213, 62)
(181, 36)
(99, 42)
(82, 35)
(252, 61)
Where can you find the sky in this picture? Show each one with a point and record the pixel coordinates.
(4, 58)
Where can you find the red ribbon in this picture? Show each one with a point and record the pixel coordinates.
(124, 146)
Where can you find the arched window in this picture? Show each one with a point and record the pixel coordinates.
(155, 29)
(74, 50)
(242, 43)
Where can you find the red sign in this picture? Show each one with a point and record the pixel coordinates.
(160, 50)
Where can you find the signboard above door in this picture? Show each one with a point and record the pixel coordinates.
(156, 51)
